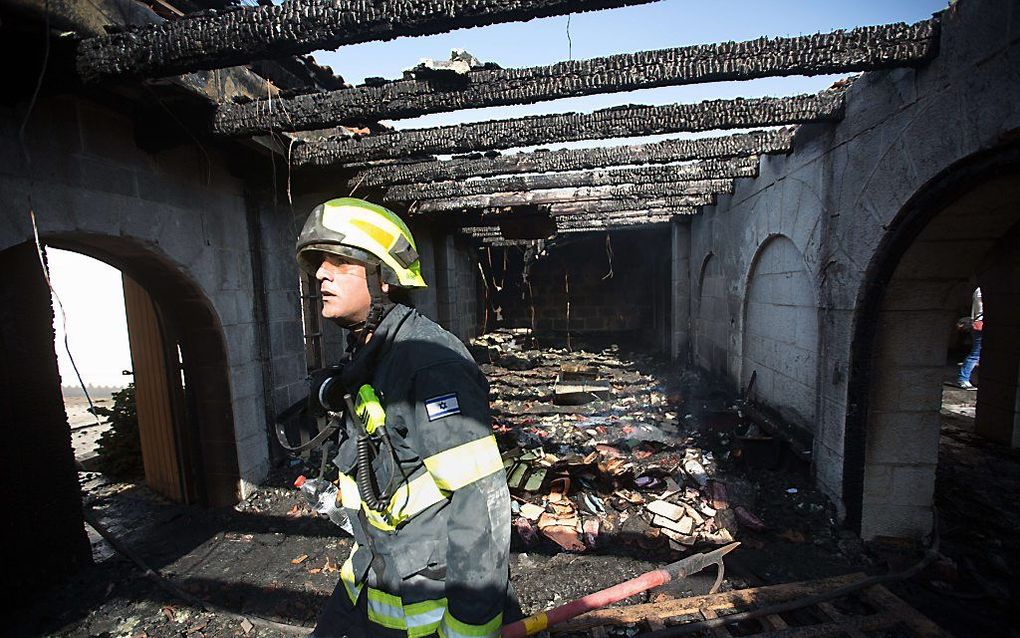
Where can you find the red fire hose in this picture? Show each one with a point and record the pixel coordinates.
(674, 571)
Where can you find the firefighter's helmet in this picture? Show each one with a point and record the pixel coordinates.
(365, 232)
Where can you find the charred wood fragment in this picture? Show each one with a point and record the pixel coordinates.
(861, 49)
(242, 35)
(622, 121)
(742, 144)
(696, 193)
(708, 169)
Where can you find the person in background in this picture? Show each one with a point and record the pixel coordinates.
(977, 324)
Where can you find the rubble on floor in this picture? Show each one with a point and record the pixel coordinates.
(631, 465)
(603, 491)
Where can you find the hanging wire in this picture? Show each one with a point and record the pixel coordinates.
(38, 87)
(361, 179)
(566, 292)
(570, 42)
(63, 315)
(609, 256)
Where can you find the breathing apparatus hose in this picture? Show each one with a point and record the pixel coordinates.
(364, 476)
(366, 484)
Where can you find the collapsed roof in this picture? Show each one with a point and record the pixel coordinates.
(336, 127)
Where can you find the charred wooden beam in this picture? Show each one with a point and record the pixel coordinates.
(622, 121)
(861, 49)
(570, 230)
(242, 35)
(708, 169)
(742, 144)
(697, 193)
(598, 207)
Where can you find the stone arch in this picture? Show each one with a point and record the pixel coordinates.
(204, 418)
(711, 321)
(959, 230)
(779, 343)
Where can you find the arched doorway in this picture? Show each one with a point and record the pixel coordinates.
(173, 316)
(961, 230)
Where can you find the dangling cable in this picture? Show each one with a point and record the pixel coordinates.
(63, 317)
(609, 256)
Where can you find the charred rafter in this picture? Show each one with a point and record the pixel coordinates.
(697, 193)
(244, 34)
(861, 49)
(623, 121)
(617, 225)
(741, 144)
(602, 206)
(707, 169)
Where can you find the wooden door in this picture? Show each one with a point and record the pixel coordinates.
(160, 453)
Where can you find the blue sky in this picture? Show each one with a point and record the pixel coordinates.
(659, 25)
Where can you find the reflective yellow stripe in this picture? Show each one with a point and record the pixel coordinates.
(385, 609)
(410, 498)
(465, 464)
(378, 235)
(423, 618)
(350, 498)
(347, 577)
(453, 628)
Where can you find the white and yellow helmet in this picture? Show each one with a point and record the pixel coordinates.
(362, 231)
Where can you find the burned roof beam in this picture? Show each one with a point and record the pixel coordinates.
(861, 49)
(697, 193)
(242, 35)
(622, 121)
(707, 169)
(596, 207)
(741, 144)
(624, 225)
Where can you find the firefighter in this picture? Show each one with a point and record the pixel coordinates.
(420, 473)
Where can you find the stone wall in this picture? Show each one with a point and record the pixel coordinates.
(178, 222)
(828, 209)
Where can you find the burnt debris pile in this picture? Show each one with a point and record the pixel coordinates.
(604, 453)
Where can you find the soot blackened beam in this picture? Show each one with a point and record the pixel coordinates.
(696, 193)
(244, 34)
(741, 144)
(597, 207)
(708, 169)
(624, 121)
(861, 49)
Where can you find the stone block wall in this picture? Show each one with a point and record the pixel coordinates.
(176, 221)
(837, 199)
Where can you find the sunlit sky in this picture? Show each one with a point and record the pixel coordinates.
(91, 291)
(93, 300)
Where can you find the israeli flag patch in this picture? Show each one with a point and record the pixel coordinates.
(441, 406)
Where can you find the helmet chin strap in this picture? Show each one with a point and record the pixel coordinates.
(378, 306)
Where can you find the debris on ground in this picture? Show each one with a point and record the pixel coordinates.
(602, 449)
(603, 491)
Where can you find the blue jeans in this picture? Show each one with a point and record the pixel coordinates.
(972, 359)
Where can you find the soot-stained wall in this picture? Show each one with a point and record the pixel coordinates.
(787, 260)
(610, 285)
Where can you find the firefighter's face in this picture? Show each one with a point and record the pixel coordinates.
(345, 297)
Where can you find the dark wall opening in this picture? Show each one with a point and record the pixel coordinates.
(601, 286)
(958, 232)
